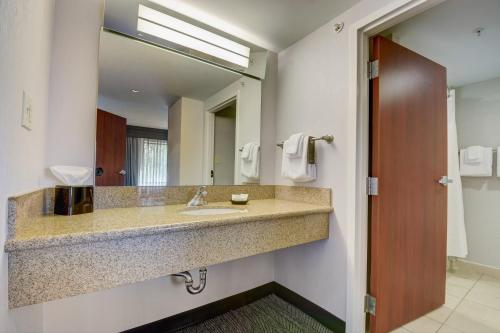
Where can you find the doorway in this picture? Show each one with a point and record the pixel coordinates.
(224, 145)
(464, 281)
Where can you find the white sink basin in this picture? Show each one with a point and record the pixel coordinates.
(211, 211)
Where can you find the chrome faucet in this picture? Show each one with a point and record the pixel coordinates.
(200, 198)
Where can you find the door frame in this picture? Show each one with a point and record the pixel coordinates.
(358, 148)
(209, 135)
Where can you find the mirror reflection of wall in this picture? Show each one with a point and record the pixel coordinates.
(167, 119)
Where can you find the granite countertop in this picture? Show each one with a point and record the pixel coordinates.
(116, 223)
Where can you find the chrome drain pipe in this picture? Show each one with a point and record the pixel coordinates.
(188, 280)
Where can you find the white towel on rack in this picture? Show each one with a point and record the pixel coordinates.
(477, 167)
(246, 152)
(474, 154)
(298, 169)
(249, 166)
(292, 147)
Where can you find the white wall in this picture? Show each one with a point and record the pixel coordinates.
(25, 29)
(25, 46)
(73, 83)
(478, 120)
(137, 114)
(313, 98)
(140, 303)
(268, 121)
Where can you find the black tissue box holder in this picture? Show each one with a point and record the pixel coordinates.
(74, 200)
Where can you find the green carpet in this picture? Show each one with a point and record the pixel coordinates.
(268, 315)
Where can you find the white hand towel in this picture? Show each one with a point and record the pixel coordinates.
(249, 167)
(474, 154)
(298, 169)
(246, 153)
(292, 147)
(484, 168)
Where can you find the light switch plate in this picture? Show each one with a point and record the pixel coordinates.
(27, 118)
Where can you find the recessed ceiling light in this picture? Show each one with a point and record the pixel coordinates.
(135, 91)
(169, 28)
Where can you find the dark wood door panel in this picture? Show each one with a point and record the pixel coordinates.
(408, 156)
(111, 134)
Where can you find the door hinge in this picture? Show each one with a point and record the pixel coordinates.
(373, 69)
(370, 304)
(372, 186)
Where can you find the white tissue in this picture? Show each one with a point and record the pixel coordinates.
(71, 175)
(239, 197)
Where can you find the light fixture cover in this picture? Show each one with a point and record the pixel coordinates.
(169, 28)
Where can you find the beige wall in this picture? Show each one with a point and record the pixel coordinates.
(174, 144)
(224, 146)
(185, 143)
(191, 149)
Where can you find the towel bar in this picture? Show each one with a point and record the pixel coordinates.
(494, 150)
(311, 147)
(241, 149)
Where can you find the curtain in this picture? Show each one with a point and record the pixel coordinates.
(457, 240)
(133, 160)
(146, 161)
(153, 165)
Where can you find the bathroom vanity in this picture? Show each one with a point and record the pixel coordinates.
(141, 233)
(193, 123)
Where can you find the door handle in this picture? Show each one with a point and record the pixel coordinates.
(122, 172)
(445, 181)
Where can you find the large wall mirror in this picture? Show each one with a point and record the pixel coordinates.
(165, 118)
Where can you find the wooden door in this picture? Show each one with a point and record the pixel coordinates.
(110, 149)
(407, 261)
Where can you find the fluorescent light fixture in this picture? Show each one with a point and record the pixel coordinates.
(135, 91)
(164, 26)
(190, 42)
(192, 30)
(190, 10)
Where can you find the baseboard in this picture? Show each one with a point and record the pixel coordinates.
(466, 266)
(324, 317)
(195, 316)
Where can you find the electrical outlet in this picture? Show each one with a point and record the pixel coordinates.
(27, 119)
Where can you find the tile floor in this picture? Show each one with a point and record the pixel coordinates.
(472, 306)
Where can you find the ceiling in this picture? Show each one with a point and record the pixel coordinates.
(161, 76)
(268, 24)
(445, 34)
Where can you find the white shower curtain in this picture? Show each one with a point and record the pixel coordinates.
(457, 240)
